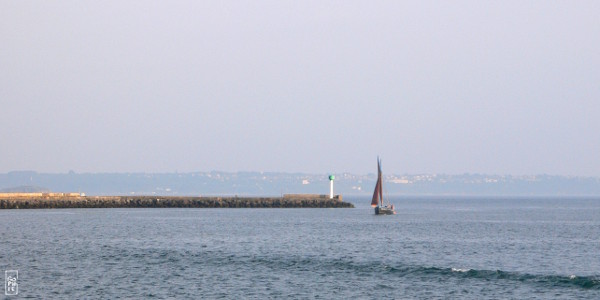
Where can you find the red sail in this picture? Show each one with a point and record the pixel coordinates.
(375, 199)
(377, 194)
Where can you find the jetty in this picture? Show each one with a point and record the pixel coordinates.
(77, 200)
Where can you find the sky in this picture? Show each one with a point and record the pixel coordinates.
(452, 87)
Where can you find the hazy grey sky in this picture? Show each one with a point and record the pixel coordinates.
(503, 87)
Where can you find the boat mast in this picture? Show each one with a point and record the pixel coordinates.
(379, 182)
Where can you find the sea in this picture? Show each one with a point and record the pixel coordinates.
(433, 248)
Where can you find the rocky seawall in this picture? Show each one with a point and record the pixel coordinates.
(287, 201)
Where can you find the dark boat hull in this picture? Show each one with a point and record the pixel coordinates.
(384, 210)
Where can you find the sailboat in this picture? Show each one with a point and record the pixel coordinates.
(377, 201)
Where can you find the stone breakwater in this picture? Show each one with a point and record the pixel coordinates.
(316, 201)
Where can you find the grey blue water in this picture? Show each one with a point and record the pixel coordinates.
(434, 248)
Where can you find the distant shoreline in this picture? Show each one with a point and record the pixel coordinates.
(73, 201)
(260, 184)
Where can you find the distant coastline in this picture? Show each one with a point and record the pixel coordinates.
(279, 183)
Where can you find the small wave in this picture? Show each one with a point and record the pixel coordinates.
(349, 265)
(586, 282)
(460, 270)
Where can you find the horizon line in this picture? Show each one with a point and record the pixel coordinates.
(300, 173)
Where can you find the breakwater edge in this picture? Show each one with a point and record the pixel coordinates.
(74, 200)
